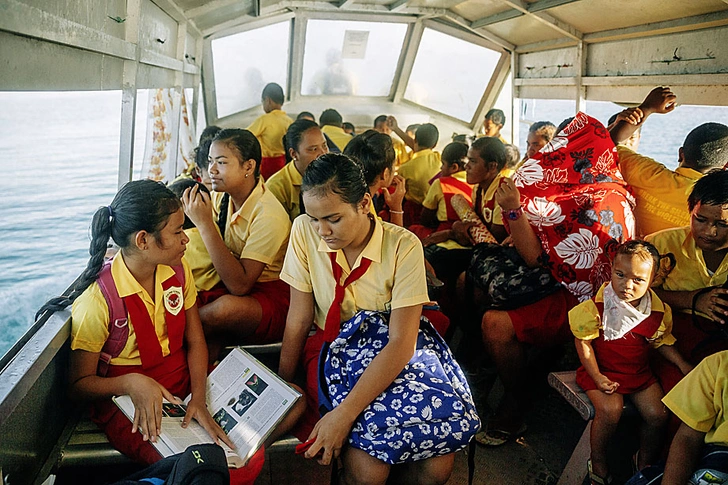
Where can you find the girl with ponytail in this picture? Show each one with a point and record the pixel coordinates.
(165, 353)
(245, 230)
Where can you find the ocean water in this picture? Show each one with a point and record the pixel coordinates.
(59, 159)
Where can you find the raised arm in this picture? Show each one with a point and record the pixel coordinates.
(660, 100)
(524, 238)
(392, 123)
(238, 275)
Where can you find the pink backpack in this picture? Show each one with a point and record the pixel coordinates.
(118, 319)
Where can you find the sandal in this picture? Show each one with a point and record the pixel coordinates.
(498, 437)
(596, 479)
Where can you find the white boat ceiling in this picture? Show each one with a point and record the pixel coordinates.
(609, 50)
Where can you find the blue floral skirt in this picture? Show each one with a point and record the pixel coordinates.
(426, 411)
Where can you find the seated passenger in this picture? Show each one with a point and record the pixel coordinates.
(400, 148)
(569, 216)
(348, 128)
(304, 142)
(331, 121)
(700, 401)
(494, 121)
(206, 278)
(165, 353)
(245, 230)
(269, 130)
(661, 193)
(199, 172)
(438, 215)
(486, 159)
(417, 172)
(374, 151)
(513, 157)
(539, 134)
(383, 271)
(694, 288)
(614, 333)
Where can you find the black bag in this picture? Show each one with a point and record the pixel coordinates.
(197, 465)
(506, 278)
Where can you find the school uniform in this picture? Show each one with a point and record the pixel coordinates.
(700, 399)
(337, 135)
(200, 262)
(395, 279)
(285, 185)
(163, 358)
(423, 165)
(270, 129)
(167, 364)
(623, 358)
(259, 230)
(484, 202)
(438, 199)
(689, 273)
(661, 194)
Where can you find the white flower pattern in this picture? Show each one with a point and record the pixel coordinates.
(579, 249)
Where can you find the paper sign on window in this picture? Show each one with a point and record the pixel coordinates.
(355, 44)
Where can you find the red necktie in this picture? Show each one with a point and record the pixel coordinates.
(333, 317)
(150, 350)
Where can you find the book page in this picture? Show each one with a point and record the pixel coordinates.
(249, 406)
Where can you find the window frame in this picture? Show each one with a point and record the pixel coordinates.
(493, 88)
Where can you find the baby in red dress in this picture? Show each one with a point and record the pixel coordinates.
(614, 333)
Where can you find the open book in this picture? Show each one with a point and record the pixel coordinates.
(244, 397)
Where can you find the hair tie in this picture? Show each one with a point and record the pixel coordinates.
(110, 211)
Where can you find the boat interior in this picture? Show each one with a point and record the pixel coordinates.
(441, 61)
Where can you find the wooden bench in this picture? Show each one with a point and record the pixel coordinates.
(565, 384)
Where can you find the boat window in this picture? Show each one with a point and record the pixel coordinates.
(351, 58)
(59, 154)
(443, 60)
(242, 68)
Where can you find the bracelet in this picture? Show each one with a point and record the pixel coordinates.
(395, 212)
(513, 214)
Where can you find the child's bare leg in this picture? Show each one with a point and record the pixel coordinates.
(360, 468)
(432, 471)
(654, 414)
(608, 410)
(228, 321)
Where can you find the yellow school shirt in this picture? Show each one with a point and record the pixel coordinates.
(395, 279)
(661, 194)
(586, 321)
(690, 272)
(402, 156)
(489, 208)
(337, 135)
(417, 173)
(285, 185)
(700, 399)
(269, 129)
(90, 312)
(435, 199)
(258, 230)
(200, 261)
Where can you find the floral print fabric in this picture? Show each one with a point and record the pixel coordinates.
(578, 204)
(428, 409)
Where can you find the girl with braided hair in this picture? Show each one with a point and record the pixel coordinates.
(165, 353)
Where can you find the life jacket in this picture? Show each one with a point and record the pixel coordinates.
(451, 186)
(118, 316)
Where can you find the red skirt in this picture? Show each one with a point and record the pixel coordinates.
(546, 322)
(270, 165)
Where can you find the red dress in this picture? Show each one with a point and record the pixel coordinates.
(625, 360)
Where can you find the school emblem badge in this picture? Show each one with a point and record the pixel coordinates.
(173, 299)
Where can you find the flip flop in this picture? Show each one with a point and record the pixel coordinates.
(498, 437)
(596, 479)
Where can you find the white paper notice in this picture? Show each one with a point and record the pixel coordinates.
(355, 44)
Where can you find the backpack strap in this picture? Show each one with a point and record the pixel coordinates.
(118, 320)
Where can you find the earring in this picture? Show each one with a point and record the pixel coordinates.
(246, 175)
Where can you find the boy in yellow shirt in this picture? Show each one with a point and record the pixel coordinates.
(331, 122)
(270, 128)
(400, 149)
(492, 124)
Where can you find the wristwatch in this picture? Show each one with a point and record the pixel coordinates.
(512, 214)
